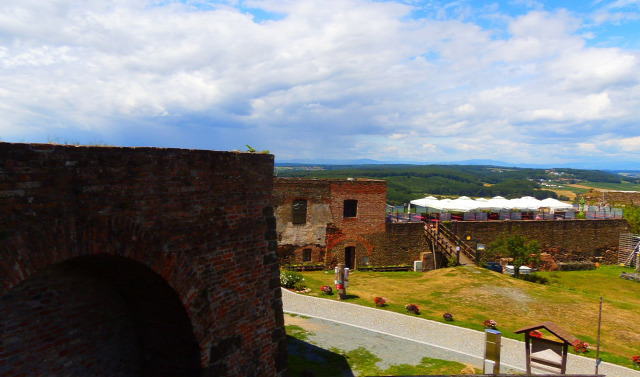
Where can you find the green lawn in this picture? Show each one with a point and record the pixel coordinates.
(475, 294)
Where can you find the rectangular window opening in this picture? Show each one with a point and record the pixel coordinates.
(306, 255)
(350, 208)
(299, 211)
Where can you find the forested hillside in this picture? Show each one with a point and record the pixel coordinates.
(408, 182)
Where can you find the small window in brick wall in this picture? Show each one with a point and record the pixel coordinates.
(350, 208)
(365, 261)
(306, 255)
(299, 211)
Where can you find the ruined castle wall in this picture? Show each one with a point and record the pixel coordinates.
(327, 231)
(400, 244)
(184, 239)
(580, 237)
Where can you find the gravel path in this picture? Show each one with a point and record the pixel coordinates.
(455, 343)
(391, 349)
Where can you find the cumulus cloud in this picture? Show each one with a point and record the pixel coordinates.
(310, 78)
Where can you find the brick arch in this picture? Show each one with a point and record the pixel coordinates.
(199, 220)
(34, 248)
(362, 248)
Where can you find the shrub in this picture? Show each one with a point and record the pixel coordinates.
(534, 278)
(380, 301)
(452, 261)
(576, 266)
(412, 308)
(327, 290)
(447, 316)
(291, 279)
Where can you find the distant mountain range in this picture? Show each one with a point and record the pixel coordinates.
(618, 166)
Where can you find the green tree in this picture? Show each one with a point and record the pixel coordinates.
(517, 247)
(632, 214)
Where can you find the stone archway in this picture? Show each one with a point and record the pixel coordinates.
(97, 314)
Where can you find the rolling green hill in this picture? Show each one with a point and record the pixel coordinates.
(409, 182)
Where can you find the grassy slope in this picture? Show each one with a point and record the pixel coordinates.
(473, 295)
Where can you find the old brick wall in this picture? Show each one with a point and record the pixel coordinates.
(372, 200)
(578, 237)
(401, 243)
(184, 239)
(293, 238)
(327, 232)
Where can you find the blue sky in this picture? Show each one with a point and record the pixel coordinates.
(518, 81)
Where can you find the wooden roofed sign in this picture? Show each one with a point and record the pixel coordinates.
(545, 354)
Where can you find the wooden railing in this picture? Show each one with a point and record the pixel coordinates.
(447, 241)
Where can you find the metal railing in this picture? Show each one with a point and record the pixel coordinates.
(398, 217)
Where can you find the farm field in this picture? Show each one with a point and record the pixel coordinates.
(473, 295)
(623, 186)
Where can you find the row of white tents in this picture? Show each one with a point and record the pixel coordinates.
(497, 203)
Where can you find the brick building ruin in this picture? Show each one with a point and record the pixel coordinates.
(138, 262)
(330, 221)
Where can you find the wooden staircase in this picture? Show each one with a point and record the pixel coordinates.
(445, 241)
(628, 248)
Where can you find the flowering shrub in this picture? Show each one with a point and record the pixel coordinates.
(535, 334)
(380, 301)
(581, 347)
(636, 360)
(490, 323)
(327, 290)
(291, 279)
(412, 308)
(447, 316)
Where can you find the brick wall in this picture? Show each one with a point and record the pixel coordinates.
(401, 243)
(327, 232)
(184, 239)
(582, 238)
(372, 200)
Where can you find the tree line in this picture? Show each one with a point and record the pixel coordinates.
(409, 182)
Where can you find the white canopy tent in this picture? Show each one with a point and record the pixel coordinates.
(497, 203)
(556, 204)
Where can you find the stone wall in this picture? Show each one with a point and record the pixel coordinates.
(577, 239)
(173, 248)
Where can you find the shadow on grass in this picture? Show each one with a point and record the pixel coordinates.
(350, 297)
(303, 355)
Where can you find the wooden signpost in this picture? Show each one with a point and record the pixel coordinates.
(545, 354)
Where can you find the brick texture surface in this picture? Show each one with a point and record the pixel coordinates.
(565, 239)
(328, 232)
(175, 249)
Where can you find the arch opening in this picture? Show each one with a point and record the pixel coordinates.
(96, 315)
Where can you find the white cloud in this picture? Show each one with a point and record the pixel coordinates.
(330, 78)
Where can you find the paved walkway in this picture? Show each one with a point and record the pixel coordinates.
(454, 342)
